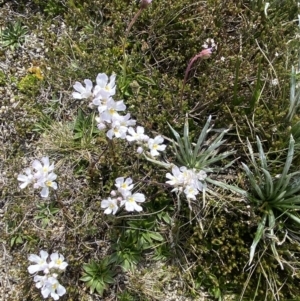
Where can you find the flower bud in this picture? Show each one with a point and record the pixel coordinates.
(140, 150)
(206, 53)
(145, 3)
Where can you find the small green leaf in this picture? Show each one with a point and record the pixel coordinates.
(86, 278)
(100, 288)
(13, 240)
(156, 236)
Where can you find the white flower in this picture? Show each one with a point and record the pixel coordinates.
(45, 182)
(113, 107)
(53, 288)
(41, 262)
(137, 135)
(57, 262)
(101, 103)
(191, 192)
(176, 178)
(117, 130)
(190, 178)
(83, 92)
(26, 179)
(101, 125)
(131, 200)
(156, 145)
(40, 280)
(41, 170)
(105, 88)
(125, 120)
(110, 205)
(124, 186)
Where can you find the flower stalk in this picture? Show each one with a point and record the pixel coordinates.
(143, 5)
(204, 54)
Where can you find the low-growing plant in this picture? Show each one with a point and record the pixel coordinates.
(13, 35)
(196, 161)
(294, 94)
(127, 252)
(145, 231)
(45, 213)
(98, 275)
(203, 154)
(84, 128)
(126, 296)
(275, 197)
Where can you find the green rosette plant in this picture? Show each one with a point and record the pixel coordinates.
(273, 196)
(201, 155)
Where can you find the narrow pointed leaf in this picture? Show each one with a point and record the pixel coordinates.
(202, 137)
(288, 206)
(288, 163)
(252, 180)
(278, 198)
(252, 155)
(293, 217)
(268, 182)
(186, 140)
(258, 235)
(227, 186)
(285, 183)
(262, 156)
(291, 200)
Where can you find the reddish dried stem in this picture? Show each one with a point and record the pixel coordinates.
(203, 54)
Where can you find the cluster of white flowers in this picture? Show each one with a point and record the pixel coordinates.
(51, 266)
(108, 109)
(119, 126)
(152, 144)
(210, 43)
(41, 175)
(187, 180)
(123, 196)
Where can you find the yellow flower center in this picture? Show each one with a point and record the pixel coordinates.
(112, 111)
(48, 183)
(54, 286)
(58, 261)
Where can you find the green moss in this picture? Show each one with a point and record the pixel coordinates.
(29, 85)
(221, 258)
(2, 78)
